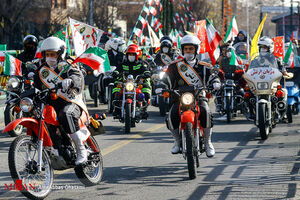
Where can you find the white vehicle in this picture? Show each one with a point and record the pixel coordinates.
(263, 77)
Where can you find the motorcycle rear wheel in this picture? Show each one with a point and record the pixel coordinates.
(9, 116)
(190, 150)
(91, 174)
(28, 175)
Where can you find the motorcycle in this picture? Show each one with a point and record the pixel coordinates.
(91, 79)
(263, 78)
(106, 83)
(14, 87)
(132, 102)
(46, 147)
(293, 100)
(192, 136)
(158, 99)
(230, 96)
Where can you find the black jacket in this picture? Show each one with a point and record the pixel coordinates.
(136, 68)
(25, 57)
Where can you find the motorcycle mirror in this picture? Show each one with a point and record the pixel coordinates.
(130, 77)
(30, 65)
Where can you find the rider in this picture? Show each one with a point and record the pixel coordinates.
(116, 57)
(135, 66)
(166, 54)
(225, 71)
(69, 106)
(175, 78)
(30, 43)
(241, 37)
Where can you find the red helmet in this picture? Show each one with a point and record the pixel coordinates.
(134, 48)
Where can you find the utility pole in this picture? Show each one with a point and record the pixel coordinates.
(91, 21)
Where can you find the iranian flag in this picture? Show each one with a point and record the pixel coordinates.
(143, 21)
(289, 56)
(146, 9)
(96, 58)
(2, 56)
(153, 11)
(12, 66)
(232, 31)
(160, 34)
(233, 59)
(214, 39)
(138, 32)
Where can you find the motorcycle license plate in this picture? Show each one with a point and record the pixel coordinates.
(289, 84)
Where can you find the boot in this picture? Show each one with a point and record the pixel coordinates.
(176, 146)
(209, 148)
(78, 137)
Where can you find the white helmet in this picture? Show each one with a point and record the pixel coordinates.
(266, 41)
(114, 44)
(54, 44)
(190, 40)
(121, 45)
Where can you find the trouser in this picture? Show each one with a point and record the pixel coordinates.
(68, 117)
(206, 120)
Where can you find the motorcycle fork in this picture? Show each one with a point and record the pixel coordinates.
(40, 139)
(123, 103)
(134, 105)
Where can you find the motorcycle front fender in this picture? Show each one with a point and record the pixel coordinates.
(187, 116)
(32, 126)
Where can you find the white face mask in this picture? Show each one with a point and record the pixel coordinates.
(228, 54)
(52, 62)
(263, 51)
(189, 56)
(165, 49)
(131, 58)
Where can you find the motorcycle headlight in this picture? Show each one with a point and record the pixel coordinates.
(262, 86)
(13, 83)
(161, 75)
(129, 86)
(26, 104)
(187, 98)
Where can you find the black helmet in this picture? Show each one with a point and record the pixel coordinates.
(30, 39)
(166, 37)
(166, 43)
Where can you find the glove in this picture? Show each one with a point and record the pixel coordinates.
(217, 85)
(66, 83)
(147, 74)
(30, 75)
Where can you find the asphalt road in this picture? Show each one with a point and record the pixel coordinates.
(140, 166)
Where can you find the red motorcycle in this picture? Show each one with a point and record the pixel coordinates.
(46, 147)
(191, 132)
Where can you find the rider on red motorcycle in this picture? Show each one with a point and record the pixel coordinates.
(68, 106)
(134, 66)
(185, 72)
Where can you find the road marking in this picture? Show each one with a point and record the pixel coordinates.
(120, 144)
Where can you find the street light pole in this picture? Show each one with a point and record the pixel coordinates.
(291, 18)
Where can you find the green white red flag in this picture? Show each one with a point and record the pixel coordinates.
(214, 39)
(232, 31)
(233, 59)
(2, 56)
(289, 56)
(143, 21)
(96, 58)
(12, 66)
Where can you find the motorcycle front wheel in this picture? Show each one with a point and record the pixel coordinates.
(162, 106)
(228, 110)
(191, 153)
(23, 167)
(91, 173)
(264, 127)
(9, 116)
(289, 113)
(127, 117)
